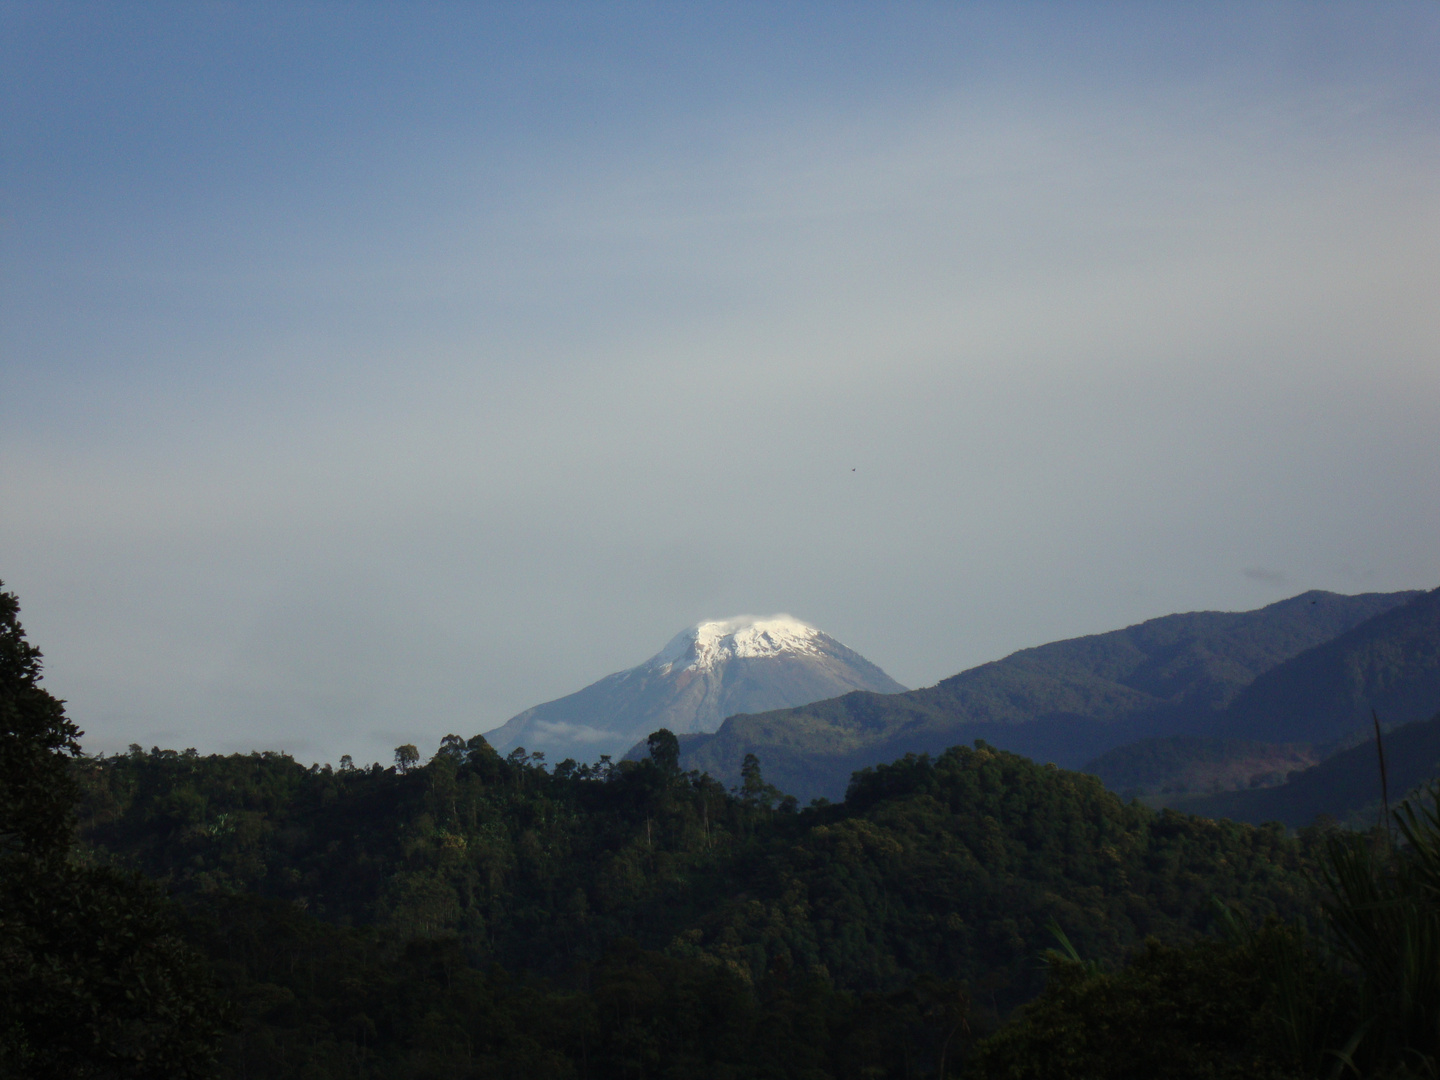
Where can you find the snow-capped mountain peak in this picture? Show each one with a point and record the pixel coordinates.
(714, 669)
(707, 645)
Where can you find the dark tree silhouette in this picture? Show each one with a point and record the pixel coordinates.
(665, 751)
(94, 979)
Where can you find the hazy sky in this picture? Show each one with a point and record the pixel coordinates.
(371, 372)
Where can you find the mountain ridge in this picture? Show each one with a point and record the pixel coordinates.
(1065, 701)
(1389, 663)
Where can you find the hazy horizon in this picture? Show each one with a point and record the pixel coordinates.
(369, 374)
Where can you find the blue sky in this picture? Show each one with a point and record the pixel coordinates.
(373, 372)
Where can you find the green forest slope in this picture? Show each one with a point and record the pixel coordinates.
(952, 866)
(1390, 663)
(1064, 702)
(1298, 713)
(1345, 787)
(1176, 765)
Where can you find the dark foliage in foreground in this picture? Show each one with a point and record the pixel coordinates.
(949, 868)
(95, 980)
(1361, 999)
(481, 916)
(316, 1000)
(1213, 1009)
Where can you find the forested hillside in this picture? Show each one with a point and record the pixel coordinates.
(1345, 787)
(1390, 663)
(1164, 769)
(1065, 702)
(1294, 716)
(383, 883)
(948, 867)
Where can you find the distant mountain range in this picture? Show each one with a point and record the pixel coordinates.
(1345, 787)
(712, 670)
(1389, 663)
(1070, 701)
(1324, 696)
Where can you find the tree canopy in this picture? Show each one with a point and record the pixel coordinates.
(95, 978)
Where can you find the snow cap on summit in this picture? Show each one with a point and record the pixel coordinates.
(716, 669)
(709, 644)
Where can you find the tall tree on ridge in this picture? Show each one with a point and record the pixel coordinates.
(94, 979)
